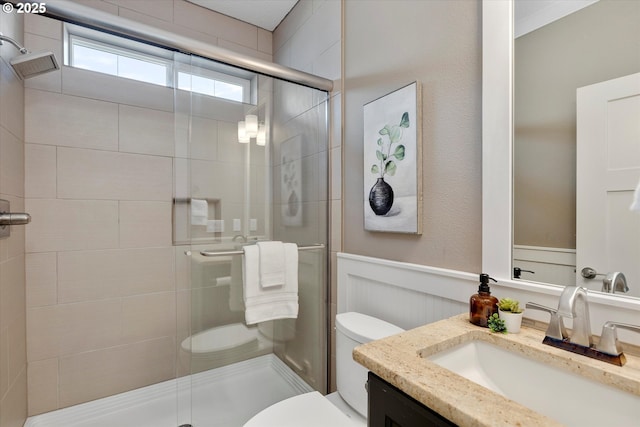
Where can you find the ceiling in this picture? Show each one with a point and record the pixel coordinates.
(265, 14)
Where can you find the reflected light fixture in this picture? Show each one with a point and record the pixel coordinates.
(243, 138)
(251, 125)
(251, 128)
(261, 139)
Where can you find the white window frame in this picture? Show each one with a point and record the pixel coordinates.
(117, 45)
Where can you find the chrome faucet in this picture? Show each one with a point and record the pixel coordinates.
(615, 282)
(609, 338)
(556, 328)
(239, 237)
(574, 305)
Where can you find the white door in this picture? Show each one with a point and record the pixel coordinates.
(608, 170)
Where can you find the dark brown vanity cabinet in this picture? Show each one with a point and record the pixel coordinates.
(390, 407)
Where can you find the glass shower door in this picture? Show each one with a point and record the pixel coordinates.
(230, 194)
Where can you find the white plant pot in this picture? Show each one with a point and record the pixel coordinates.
(512, 321)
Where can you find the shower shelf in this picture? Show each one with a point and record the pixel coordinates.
(227, 253)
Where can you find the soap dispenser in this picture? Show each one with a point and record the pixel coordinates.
(482, 305)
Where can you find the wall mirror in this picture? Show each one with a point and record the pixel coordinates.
(546, 50)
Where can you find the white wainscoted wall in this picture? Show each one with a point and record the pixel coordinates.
(411, 295)
(550, 265)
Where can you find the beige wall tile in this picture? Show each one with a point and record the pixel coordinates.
(100, 5)
(4, 360)
(73, 328)
(90, 275)
(17, 347)
(61, 225)
(94, 174)
(42, 385)
(244, 50)
(161, 9)
(146, 131)
(213, 181)
(200, 19)
(183, 267)
(13, 408)
(70, 121)
(11, 164)
(145, 224)
(148, 316)
(169, 26)
(51, 81)
(204, 139)
(14, 245)
(96, 374)
(104, 87)
(43, 26)
(12, 103)
(12, 292)
(41, 278)
(265, 41)
(40, 171)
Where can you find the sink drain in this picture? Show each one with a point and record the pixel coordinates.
(185, 425)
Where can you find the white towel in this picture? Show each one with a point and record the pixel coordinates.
(199, 212)
(272, 264)
(262, 304)
(635, 206)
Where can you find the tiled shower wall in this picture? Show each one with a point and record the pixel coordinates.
(13, 361)
(100, 267)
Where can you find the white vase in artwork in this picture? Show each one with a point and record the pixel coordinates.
(512, 321)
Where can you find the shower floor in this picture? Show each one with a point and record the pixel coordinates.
(222, 397)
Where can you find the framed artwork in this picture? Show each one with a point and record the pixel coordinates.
(393, 162)
(291, 182)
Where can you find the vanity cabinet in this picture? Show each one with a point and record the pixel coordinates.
(390, 407)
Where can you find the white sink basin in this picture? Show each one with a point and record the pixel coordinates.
(563, 396)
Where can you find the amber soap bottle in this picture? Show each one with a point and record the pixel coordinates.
(482, 305)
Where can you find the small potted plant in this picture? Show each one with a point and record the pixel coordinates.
(511, 313)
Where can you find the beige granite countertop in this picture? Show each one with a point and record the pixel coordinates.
(400, 360)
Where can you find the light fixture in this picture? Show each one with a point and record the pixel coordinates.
(261, 139)
(250, 128)
(251, 125)
(243, 138)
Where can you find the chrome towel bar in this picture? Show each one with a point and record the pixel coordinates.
(226, 253)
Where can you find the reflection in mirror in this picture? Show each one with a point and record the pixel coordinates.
(598, 43)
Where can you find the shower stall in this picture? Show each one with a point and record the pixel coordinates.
(246, 150)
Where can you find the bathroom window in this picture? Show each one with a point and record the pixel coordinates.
(118, 56)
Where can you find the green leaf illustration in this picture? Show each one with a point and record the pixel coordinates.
(405, 120)
(380, 156)
(384, 130)
(380, 142)
(390, 168)
(399, 153)
(395, 133)
(375, 169)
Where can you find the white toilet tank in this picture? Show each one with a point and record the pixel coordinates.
(353, 329)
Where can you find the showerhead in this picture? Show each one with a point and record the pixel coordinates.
(34, 63)
(30, 64)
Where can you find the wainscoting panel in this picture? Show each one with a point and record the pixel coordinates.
(407, 295)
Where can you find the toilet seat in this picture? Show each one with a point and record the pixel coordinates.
(309, 410)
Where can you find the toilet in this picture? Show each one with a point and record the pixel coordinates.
(346, 407)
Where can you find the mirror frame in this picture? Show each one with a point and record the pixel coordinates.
(497, 156)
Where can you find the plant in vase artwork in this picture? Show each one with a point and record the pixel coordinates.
(389, 151)
(510, 311)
